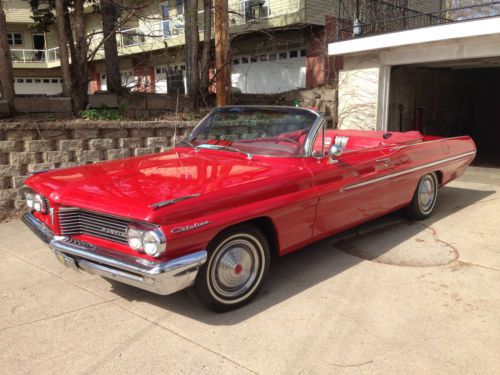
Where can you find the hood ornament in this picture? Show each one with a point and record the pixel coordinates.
(169, 202)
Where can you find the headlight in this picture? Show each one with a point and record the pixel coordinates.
(30, 197)
(39, 203)
(152, 242)
(134, 238)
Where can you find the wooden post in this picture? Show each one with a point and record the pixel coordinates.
(223, 75)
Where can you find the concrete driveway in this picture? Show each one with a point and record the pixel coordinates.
(389, 297)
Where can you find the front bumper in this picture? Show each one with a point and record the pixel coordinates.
(157, 277)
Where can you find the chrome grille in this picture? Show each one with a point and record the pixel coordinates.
(73, 221)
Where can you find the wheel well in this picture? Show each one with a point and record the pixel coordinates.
(266, 225)
(439, 175)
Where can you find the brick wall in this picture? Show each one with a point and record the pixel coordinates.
(29, 147)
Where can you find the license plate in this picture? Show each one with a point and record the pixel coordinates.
(66, 261)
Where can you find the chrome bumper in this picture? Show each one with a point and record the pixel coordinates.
(157, 277)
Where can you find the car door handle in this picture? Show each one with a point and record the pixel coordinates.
(386, 161)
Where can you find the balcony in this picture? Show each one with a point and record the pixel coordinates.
(380, 17)
(244, 15)
(35, 58)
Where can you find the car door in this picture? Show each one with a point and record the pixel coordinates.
(348, 187)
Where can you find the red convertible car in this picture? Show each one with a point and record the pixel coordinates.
(248, 184)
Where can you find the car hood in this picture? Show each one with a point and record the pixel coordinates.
(128, 187)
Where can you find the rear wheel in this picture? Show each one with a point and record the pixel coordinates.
(237, 264)
(424, 198)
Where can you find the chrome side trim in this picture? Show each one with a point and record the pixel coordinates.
(406, 171)
(169, 202)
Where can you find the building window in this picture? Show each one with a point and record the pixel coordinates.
(15, 39)
(302, 52)
(244, 60)
(236, 61)
(283, 55)
(180, 6)
(293, 54)
(54, 80)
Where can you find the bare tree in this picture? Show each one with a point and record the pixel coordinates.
(6, 70)
(192, 45)
(80, 62)
(62, 12)
(223, 82)
(205, 54)
(110, 13)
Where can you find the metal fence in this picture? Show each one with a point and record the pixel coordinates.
(359, 18)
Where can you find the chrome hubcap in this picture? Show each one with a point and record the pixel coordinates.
(235, 268)
(426, 193)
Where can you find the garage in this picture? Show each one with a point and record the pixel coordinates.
(269, 73)
(449, 98)
(441, 80)
(38, 86)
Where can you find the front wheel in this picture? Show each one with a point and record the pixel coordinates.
(237, 264)
(424, 198)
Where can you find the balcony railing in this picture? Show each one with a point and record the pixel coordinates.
(378, 16)
(35, 55)
(241, 12)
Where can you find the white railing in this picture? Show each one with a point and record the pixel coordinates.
(241, 12)
(152, 32)
(35, 55)
(252, 11)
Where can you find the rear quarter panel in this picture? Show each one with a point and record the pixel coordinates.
(448, 157)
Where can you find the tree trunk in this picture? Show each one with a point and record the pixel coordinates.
(205, 55)
(6, 70)
(111, 11)
(62, 14)
(223, 75)
(80, 63)
(192, 45)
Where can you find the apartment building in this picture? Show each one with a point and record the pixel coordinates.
(276, 45)
(35, 55)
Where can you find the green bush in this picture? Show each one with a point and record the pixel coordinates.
(103, 114)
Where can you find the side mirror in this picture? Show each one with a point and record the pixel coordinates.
(334, 151)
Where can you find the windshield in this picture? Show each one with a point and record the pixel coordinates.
(259, 131)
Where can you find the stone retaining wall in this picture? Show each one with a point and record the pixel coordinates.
(29, 147)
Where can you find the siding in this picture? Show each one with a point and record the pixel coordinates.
(17, 11)
(317, 10)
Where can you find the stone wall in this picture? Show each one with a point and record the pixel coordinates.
(40, 106)
(29, 147)
(358, 93)
(141, 106)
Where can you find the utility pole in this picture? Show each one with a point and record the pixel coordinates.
(223, 74)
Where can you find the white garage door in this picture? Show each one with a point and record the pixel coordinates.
(269, 73)
(38, 86)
